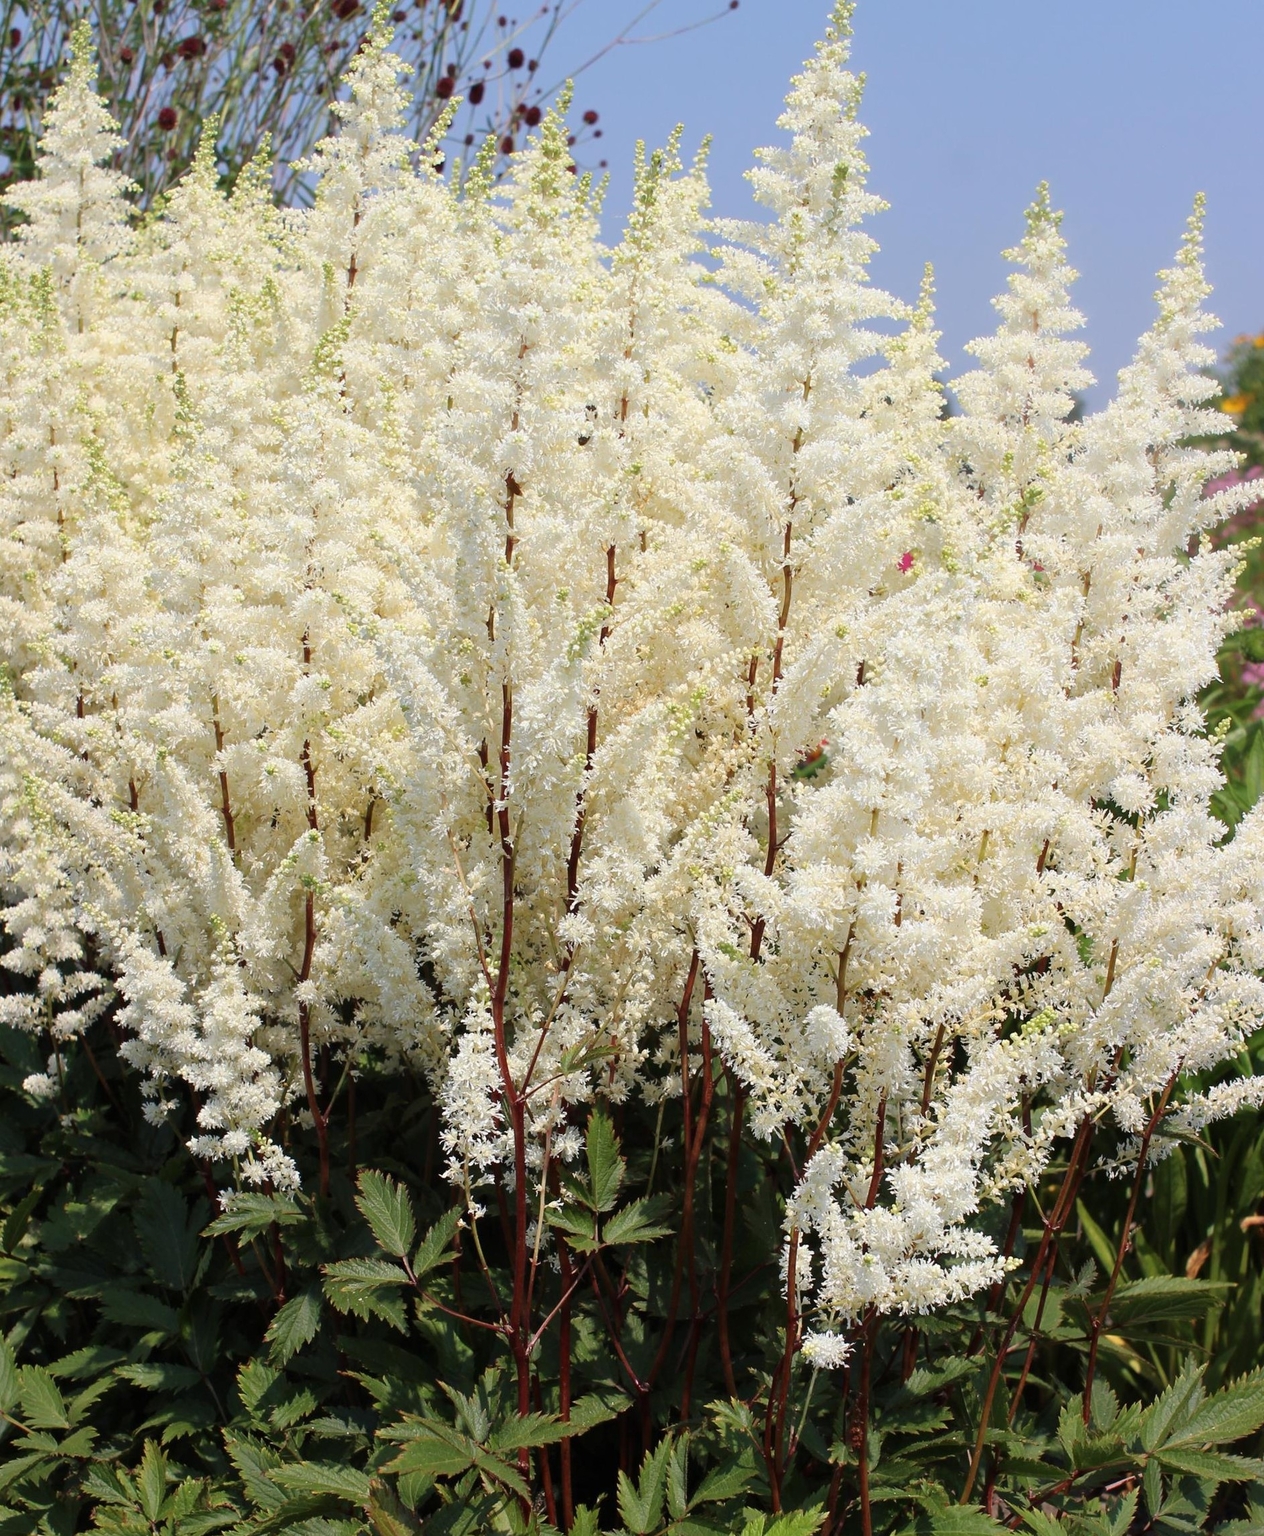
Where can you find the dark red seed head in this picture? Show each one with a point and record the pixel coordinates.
(190, 47)
(507, 144)
(15, 37)
(532, 116)
(532, 65)
(590, 117)
(126, 55)
(469, 139)
(443, 87)
(287, 51)
(167, 119)
(217, 5)
(167, 60)
(516, 58)
(476, 92)
(399, 15)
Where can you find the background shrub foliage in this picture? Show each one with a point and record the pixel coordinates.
(269, 70)
(343, 1359)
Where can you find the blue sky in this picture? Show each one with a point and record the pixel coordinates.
(1127, 107)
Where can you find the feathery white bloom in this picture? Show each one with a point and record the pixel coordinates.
(432, 638)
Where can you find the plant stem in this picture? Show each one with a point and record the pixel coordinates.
(564, 1379)
(1099, 1318)
(682, 1022)
(862, 1416)
(737, 1110)
(1053, 1227)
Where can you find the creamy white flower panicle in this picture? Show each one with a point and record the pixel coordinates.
(434, 640)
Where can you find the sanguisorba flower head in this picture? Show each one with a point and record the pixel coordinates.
(433, 639)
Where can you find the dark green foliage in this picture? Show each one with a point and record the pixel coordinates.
(338, 1366)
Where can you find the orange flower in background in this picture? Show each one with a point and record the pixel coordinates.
(1234, 405)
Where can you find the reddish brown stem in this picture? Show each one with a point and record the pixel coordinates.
(687, 1225)
(515, 1104)
(1099, 1318)
(862, 1416)
(581, 807)
(564, 1381)
(1053, 1228)
(319, 1118)
(230, 1242)
(682, 1023)
(1050, 1266)
(932, 1061)
(737, 1111)
(225, 803)
(546, 1468)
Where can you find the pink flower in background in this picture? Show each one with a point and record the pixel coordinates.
(905, 562)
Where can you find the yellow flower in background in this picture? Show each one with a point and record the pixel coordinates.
(1258, 340)
(1234, 405)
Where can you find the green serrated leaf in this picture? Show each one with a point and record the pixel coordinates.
(597, 1408)
(18, 1219)
(641, 1506)
(324, 1477)
(799, 1522)
(168, 1234)
(1218, 1465)
(105, 1484)
(387, 1515)
(435, 1247)
(316, 1508)
(151, 1481)
(183, 1500)
(388, 1208)
(91, 1360)
(605, 1165)
(1231, 1414)
(1181, 1397)
(436, 1454)
(156, 1376)
(678, 1479)
(958, 1520)
(639, 1222)
(296, 1324)
(729, 1481)
(367, 1288)
(1039, 1523)
(252, 1214)
(42, 1404)
(8, 1377)
(136, 1310)
(529, 1429)
(1163, 1298)
(579, 1226)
